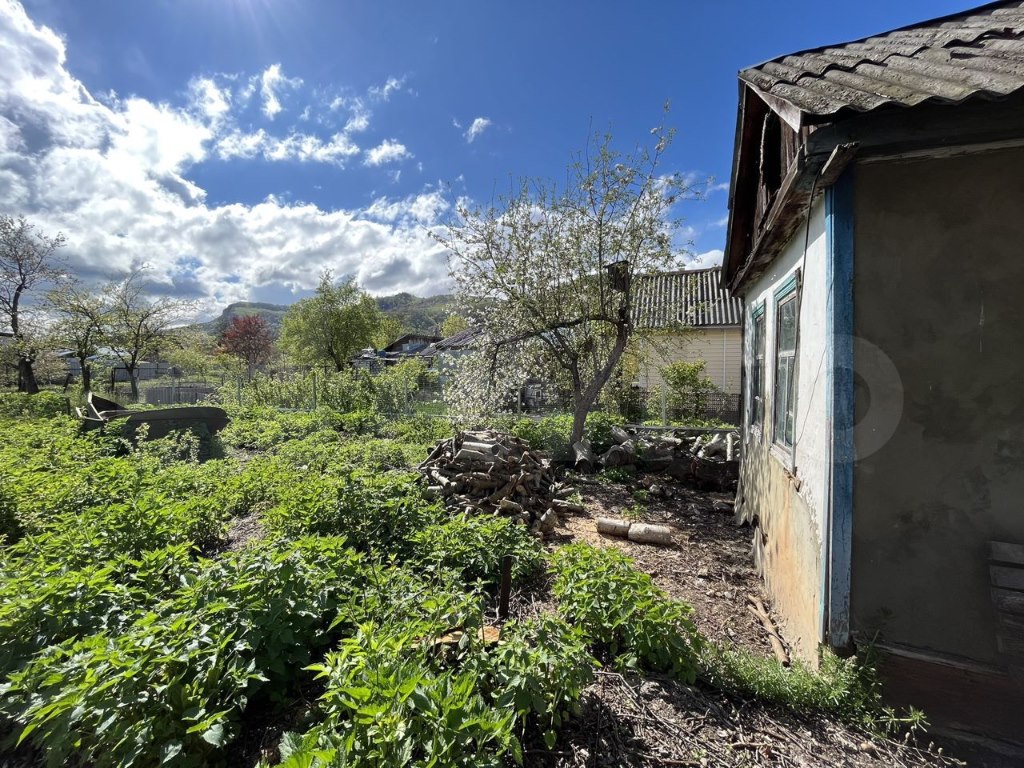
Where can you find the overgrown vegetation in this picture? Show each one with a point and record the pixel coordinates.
(131, 635)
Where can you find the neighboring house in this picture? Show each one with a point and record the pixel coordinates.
(408, 347)
(875, 237)
(700, 320)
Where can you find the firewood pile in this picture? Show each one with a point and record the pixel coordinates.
(493, 473)
(707, 458)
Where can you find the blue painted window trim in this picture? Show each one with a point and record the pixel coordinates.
(787, 287)
(757, 311)
(839, 232)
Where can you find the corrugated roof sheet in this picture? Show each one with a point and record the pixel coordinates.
(979, 52)
(460, 340)
(693, 297)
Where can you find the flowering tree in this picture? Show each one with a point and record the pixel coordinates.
(249, 339)
(550, 271)
(27, 257)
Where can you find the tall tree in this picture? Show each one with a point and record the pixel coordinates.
(332, 325)
(249, 339)
(551, 270)
(388, 329)
(80, 317)
(453, 324)
(136, 323)
(27, 257)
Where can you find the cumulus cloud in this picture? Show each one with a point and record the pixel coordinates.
(388, 151)
(477, 127)
(272, 83)
(115, 178)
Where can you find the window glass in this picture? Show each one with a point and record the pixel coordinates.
(785, 369)
(757, 372)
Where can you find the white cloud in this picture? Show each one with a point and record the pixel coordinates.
(303, 147)
(383, 92)
(272, 83)
(209, 99)
(478, 126)
(359, 120)
(388, 151)
(114, 178)
(712, 258)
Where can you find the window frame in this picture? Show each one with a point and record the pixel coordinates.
(759, 366)
(784, 400)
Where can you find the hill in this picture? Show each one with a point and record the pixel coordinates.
(417, 315)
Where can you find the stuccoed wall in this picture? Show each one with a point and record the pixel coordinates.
(939, 288)
(785, 493)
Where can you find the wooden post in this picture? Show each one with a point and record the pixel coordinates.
(314, 389)
(664, 406)
(505, 588)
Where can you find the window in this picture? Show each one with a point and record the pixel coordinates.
(785, 362)
(757, 369)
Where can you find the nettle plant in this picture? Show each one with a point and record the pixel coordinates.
(626, 617)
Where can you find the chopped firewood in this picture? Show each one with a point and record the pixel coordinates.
(488, 472)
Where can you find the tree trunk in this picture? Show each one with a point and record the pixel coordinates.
(584, 401)
(86, 377)
(134, 380)
(26, 377)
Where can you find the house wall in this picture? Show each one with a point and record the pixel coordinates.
(784, 492)
(938, 288)
(720, 348)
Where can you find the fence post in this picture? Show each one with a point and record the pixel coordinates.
(664, 406)
(239, 391)
(314, 389)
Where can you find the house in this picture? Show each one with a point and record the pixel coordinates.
(407, 347)
(700, 320)
(875, 236)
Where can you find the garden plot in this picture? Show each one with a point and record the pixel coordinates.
(304, 602)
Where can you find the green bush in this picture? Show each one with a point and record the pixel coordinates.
(40, 405)
(551, 433)
(628, 619)
(375, 511)
(539, 670)
(170, 688)
(475, 546)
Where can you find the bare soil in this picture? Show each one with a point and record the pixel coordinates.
(658, 722)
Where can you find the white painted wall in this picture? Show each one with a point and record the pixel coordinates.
(811, 432)
(720, 348)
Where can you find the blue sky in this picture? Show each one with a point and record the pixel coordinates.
(238, 147)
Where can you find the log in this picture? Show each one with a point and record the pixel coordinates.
(510, 507)
(761, 613)
(613, 527)
(469, 457)
(584, 456)
(619, 435)
(495, 449)
(548, 521)
(568, 507)
(644, 533)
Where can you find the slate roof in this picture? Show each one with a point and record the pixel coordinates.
(460, 340)
(693, 297)
(976, 53)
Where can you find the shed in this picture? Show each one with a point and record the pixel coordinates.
(874, 236)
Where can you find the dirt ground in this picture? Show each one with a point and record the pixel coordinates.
(654, 722)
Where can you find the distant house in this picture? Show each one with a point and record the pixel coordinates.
(875, 237)
(442, 352)
(407, 347)
(700, 320)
